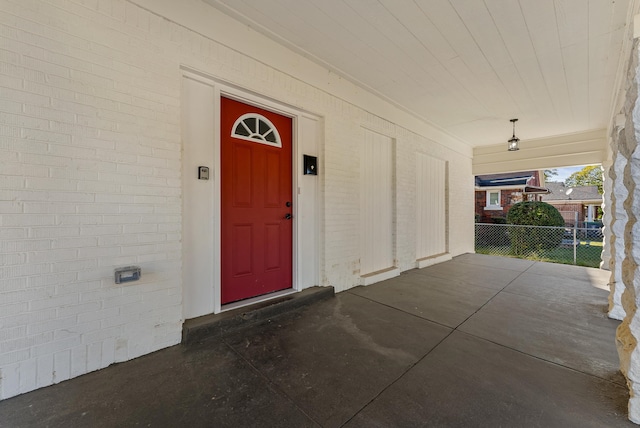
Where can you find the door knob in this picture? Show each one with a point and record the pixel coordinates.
(287, 216)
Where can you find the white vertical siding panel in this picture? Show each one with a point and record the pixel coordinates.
(419, 206)
(376, 204)
(431, 228)
(197, 233)
(307, 206)
(420, 209)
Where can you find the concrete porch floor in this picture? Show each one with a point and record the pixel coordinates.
(476, 341)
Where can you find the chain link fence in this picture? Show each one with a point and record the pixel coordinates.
(569, 245)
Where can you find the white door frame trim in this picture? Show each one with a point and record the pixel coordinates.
(222, 88)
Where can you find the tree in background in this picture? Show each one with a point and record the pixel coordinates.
(590, 175)
(549, 174)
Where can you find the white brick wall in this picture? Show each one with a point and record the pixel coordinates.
(90, 171)
(90, 167)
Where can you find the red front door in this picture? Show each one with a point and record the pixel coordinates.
(256, 201)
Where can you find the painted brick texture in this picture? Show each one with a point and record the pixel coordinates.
(508, 198)
(90, 180)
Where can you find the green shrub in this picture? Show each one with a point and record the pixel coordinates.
(499, 220)
(527, 240)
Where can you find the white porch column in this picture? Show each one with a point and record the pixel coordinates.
(607, 204)
(628, 333)
(616, 218)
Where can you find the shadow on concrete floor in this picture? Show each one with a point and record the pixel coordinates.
(476, 341)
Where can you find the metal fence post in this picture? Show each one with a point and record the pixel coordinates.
(575, 242)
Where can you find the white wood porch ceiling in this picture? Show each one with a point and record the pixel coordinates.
(467, 66)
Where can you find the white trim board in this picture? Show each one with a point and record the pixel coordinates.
(585, 148)
(201, 199)
(433, 260)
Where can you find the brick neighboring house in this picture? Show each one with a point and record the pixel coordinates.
(496, 193)
(584, 200)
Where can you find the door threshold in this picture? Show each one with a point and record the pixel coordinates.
(257, 299)
(246, 313)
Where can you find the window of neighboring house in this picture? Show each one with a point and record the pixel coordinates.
(493, 200)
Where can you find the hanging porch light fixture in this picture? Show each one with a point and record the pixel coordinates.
(513, 141)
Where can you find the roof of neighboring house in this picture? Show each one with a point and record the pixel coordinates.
(559, 192)
(507, 179)
(522, 178)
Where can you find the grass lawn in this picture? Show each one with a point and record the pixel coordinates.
(586, 255)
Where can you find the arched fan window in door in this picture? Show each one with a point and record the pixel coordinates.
(257, 128)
